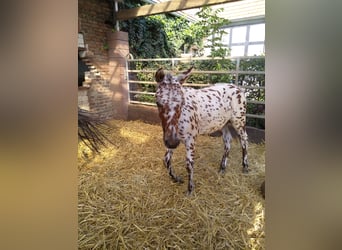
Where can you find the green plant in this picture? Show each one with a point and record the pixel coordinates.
(105, 46)
(157, 36)
(255, 94)
(208, 29)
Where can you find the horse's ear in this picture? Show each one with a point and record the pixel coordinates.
(159, 76)
(184, 75)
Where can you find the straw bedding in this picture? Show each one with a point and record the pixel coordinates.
(128, 201)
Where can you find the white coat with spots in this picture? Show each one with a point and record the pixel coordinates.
(187, 112)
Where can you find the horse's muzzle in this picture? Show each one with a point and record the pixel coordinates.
(171, 142)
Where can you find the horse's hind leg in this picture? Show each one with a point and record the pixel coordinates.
(167, 162)
(226, 136)
(239, 126)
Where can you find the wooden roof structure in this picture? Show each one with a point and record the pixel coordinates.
(166, 7)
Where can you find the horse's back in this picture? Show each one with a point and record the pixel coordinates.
(233, 93)
(215, 105)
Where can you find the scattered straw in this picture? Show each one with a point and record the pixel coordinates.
(128, 201)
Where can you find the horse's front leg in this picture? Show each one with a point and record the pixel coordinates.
(167, 162)
(190, 153)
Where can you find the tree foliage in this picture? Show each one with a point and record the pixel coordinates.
(157, 36)
(166, 35)
(208, 29)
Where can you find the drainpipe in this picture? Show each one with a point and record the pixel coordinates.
(116, 9)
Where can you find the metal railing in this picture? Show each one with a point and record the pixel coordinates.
(246, 72)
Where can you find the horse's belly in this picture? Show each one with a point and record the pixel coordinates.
(211, 122)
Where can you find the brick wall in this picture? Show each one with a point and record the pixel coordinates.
(83, 100)
(100, 98)
(92, 15)
(118, 50)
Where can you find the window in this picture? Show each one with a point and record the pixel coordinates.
(257, 33)
(237, 50)
(239, 34)
(255, 49)
(245, 40)
(225, 39)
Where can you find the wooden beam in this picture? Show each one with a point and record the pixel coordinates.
(165, 7)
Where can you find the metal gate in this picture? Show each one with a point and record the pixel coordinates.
(246, 72)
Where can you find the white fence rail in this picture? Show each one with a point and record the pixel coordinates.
(247, 72)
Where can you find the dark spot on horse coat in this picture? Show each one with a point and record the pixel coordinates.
(239, 98)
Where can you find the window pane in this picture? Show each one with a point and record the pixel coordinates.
(255, 50)
(239, 34)
(225, 37)
(237, 51)
(257, 33)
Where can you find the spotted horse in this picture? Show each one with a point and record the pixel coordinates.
(187, 112)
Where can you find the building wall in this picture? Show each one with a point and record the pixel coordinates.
(83, 100)
(92, 16)
(100, 99)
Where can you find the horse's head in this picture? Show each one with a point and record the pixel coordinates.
(170, 99)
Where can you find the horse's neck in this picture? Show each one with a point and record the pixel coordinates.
(191, 101)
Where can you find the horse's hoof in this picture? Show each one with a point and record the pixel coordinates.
(245, 170)
(190, 189)
(222, 171)
(178, 180)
